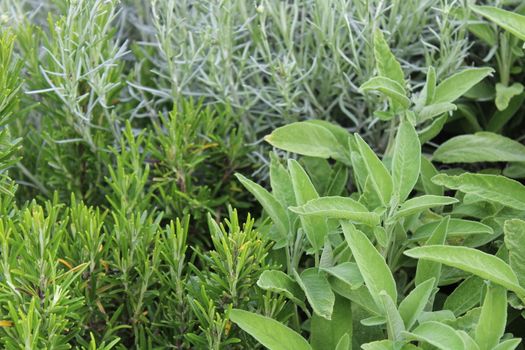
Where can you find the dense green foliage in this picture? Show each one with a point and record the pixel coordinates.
(142, 205)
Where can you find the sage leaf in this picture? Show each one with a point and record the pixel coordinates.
(492, 188)
(456, 227)
(315, 227)
(481, 147)
(414, 303)
(465, 297)
(326, 334)
(347, 272)
(344, 343)
(429, 269)
(458, 84)
(471, 260)
(271, 205)
(278, 281)
(269, 332)
(372, 265)
(386, 62)
(317, 290)
(514, 233)
(406, 161)
(510, 21)
(394, 323)
(438, 334)
(336, 207)
(307, 139)
(389, 88)
(493, 318)
(421, 203)
(377, 172)
(505, 93)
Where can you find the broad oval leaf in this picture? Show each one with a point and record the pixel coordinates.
(377, 172)
(492, 188)
(271, 205)
(326, 334)
(458, 84)
(317, 290)
(372, 265)
(308, 139)
(278, 281)
(474, 261)
(421, 203)
(481, 147)
(513, 22)
(434, 110)
(438, 334)
(406, 162)
(270, 333)
(465, 297)
(336, 207)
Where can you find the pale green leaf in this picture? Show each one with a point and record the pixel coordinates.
(338, 208)
(471, 260)
(505, 93)
(386, 63)
(347, 272)
(270, 333)
(394, 323)
(492, 188)
(315, 227)
(271, 205)
(377, 172)
(389, 88)
(465, 297)
(414, 303)
(406, 160)
(493, 318)
(456, 228)
(510, 21)
(317, 290)
(434, 110)
(281, 182)
(372, 265)
(458, 84)
(344, 343)
(418, 204)
(437, 334)
(428, 171)
(278, 281)
(481, 147)
(509, 344)
(326, 334)
(515, 242)
(429, 269)
(433, 129)
(307, 139)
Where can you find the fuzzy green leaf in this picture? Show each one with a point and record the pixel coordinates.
(406, 161)
(414, 303)
(315, 227)
(377, 172)
(480, 147)
(271, 205)
(317, 291)
(513, 22)
(492, 188)
(458, 84)
(437, 334)
(515, 242)
(386, 62)
(270, 333)
(421, 203)
(471, 260)
(493, 318)
(278, 281)
(389, 88)
(372, 265)
(338, 208)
